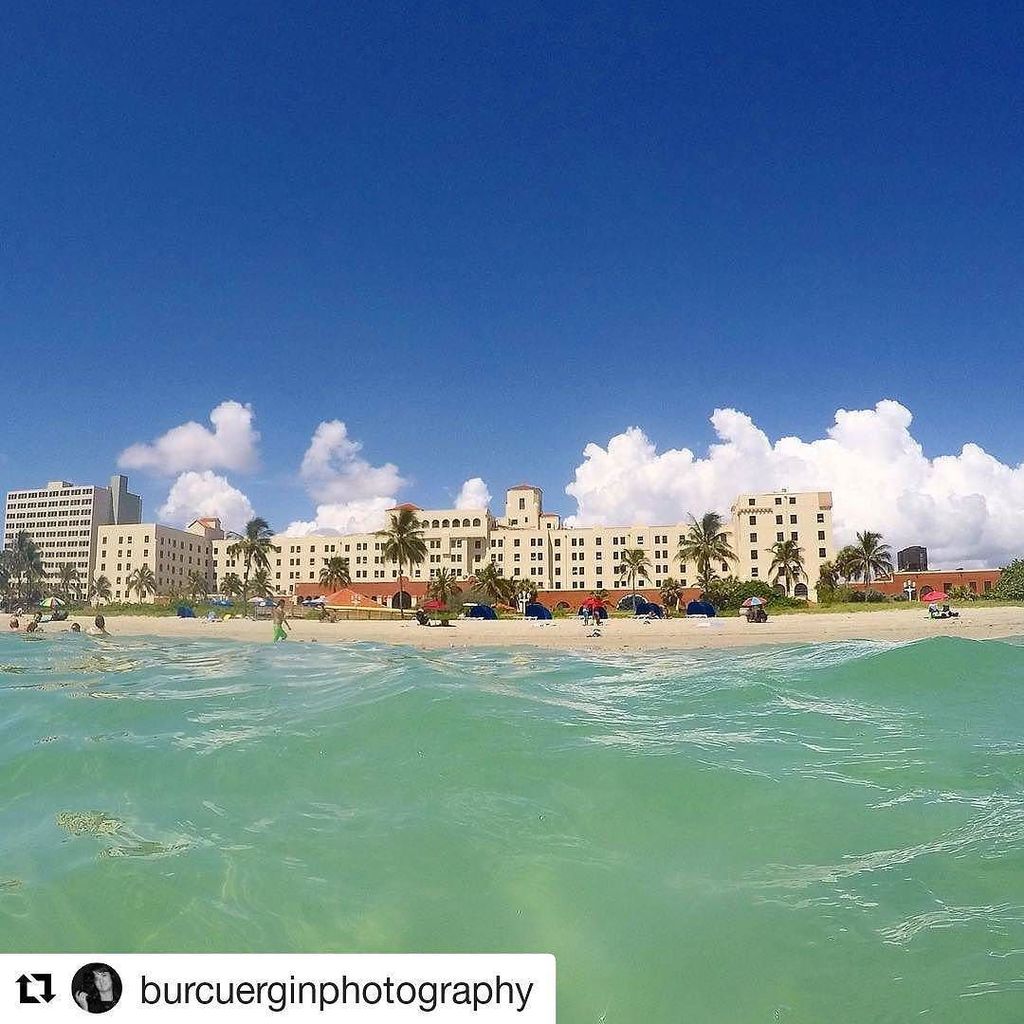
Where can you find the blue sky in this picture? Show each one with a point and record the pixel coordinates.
(494, 234)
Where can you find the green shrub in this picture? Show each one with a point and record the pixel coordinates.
(730, 593)
(1010, 586)
(875, 597)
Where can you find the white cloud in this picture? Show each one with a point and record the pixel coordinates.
(334, 472)
(352, 494)
(473, 494)
(362, 516)
(967, 508)
(230, 445)
(206, 494)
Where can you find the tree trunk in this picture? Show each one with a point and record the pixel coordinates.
(401, 592)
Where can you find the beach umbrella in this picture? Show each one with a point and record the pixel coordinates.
(433, 605)
(930, 596)
(593, 603)
(754, 602)
(51, 602)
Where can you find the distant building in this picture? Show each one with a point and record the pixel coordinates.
(912, 559)
(64, 518)
(529, 543)
(172, 555)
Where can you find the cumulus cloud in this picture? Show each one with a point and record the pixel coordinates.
(206, 494)
(967, 508)
(362, 516)
(230, 445)
(473, 494)
(352, 494)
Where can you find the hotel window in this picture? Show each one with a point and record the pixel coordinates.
(778, 520)
(821, 535)
(778, 501)
(753, 520)
(792, 501)
(792, 520)
(753, 538)
(821, 553)
(753, 574)
(821, 517)
(794, 536)
(753, 556)
(780, 536)
(751, 501)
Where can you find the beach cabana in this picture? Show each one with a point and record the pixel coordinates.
(631, 602)
(650, 608)
(481, 611)
(704, 608)
(535, 610)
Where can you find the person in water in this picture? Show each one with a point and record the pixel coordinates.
(75, 628)
(96, 988)
(99, 627)
(280, 622)
(14, 623)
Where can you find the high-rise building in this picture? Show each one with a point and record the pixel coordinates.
(63, 519)
(912, 559)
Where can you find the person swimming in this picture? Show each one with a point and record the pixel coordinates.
(75, 628)
(14, 623)
(99, 627)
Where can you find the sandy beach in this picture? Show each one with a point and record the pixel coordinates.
(977, 622)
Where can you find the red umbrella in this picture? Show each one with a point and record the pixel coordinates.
(593, 603)
(433, 605)
(931, 596)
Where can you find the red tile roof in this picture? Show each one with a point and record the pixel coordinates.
(407, 506)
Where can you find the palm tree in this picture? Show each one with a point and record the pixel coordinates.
(828, 580)
(142, 581)
(847, 563)
(231, 585)
(787, 563)
(634, 563)
(671, 592)
(261, 585)
(100, 589)
(26, 562)
(6, 577)
(253, 547)
(69, 579)
(197, 585)
(870, 557)
(403, 542)
(491, 584)
(706, 545)
(521, 588)
(443, 586)
(335, 573)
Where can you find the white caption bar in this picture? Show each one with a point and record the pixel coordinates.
(66, 988)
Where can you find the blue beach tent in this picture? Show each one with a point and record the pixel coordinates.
(481, 611)
(701, 608)
(535, 610)
(650, 608)
(184, 612)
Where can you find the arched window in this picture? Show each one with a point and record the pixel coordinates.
(476, 522)
(444, 523)
(800, 590)
(435, 524)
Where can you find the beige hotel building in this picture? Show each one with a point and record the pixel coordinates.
(97, 529)
(530, 543)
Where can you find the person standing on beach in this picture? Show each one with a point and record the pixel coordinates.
(280, 623)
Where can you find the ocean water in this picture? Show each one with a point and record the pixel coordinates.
(821, 833)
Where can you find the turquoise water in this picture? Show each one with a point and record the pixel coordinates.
(823, 834)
